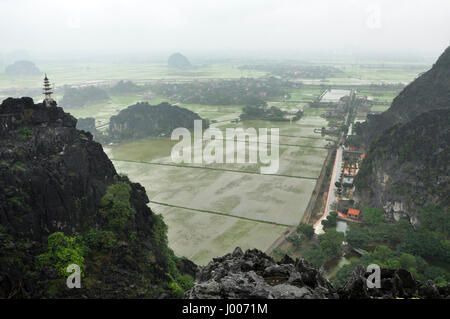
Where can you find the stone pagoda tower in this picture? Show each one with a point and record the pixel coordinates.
(47, 92)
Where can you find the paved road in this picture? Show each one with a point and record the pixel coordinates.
(331, 198)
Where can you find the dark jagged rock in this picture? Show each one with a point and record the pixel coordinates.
(22, 68)
(253, 274)
(142, 120)
(397, 283)
(53, 179)
(179, 61)
(428, 92)
(187, 267)
(87, 124)
(406, 168)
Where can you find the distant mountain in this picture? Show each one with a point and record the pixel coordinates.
(429, 91)
(142, 120)
(407, 166)
(22, 68)
(177, 60)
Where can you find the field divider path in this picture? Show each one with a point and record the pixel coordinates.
(212, 168)
(267, 143)
(220, 213)
(310, 137)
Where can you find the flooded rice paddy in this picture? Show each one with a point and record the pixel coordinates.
(212, 208)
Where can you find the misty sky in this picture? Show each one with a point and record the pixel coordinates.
(126, 26)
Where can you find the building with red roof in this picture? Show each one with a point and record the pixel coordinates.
(352, 212)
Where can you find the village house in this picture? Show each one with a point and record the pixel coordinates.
(353, 213)
(346, 211)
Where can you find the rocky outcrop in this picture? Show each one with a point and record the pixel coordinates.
(407, 168)
(22, 68)
(253, 274)
(406, 165)
(179, 61)
(53, 179)
(428, 92)
(394, 283)
(142, 120)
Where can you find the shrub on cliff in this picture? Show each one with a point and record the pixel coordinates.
(62, 251)
(116, 207)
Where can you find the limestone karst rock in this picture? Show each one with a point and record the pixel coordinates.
(429, 91)
(53, 180)
(22, 67)
(142, 120)
(179, 61)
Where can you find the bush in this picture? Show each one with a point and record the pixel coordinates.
(295, 240)
(306, 230)
(61, 252)
(314, 255)
(357, 238)
(331, 243)
(185, 281)
(100, 240)
(159, 232)
(178, 283)
(330, 221)
(373, 216)
(176, 290)
(116, 206)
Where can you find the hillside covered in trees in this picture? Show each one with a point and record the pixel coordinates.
(126, 87)
(244, 91)
(424, 251)
(142, 120)
(79, 97)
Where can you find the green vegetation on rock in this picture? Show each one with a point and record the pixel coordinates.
(62, 251)
(116, 207)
